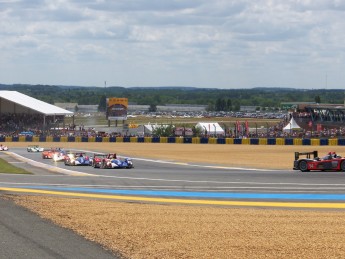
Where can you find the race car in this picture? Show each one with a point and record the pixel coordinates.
(330, 162)
(3, 147)
(97, 159)
(34, 148)
(77, 158)
(112, 161)
(49, 153)
(60, 156)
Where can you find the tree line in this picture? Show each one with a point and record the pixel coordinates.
(215, 99)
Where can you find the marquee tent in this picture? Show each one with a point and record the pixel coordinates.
(292, 125)
(212, 128)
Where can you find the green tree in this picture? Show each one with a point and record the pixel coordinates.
(153, 108)
(163, 131)
(102, 103)
(317, 99)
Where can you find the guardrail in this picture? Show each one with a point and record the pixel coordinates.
(185, 140)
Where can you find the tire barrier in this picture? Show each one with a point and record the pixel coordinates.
(182, 140)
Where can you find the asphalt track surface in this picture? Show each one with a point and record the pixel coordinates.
(174, 182)
(25, 235)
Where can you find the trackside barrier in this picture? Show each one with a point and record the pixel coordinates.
(71, 139)
(262, 141)
(155, 140)
(305, 142)
(298, 141)
(171, 140)
(280, 141)
(211, 141)
(238, 141)
(245, 141)
(127, 139)
(315, 142)
(119, 139)
(341, 142)
(254, 141)
(133, 139)
(220, 140)
(323, 142)
(272, 141)
(332, 142)
(204, 140)
(229, 141)
(181, 140)
(163, 139)
(289, 141)
(187, 140)
(196, 140)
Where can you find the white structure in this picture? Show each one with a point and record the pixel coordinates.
(212, 128)
(292, 125)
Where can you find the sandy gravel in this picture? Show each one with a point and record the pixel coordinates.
(175, 231)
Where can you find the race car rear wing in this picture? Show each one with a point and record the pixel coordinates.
(308, 154)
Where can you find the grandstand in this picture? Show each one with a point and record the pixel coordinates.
(20, 112)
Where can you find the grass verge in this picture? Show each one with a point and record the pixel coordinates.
(6, 168)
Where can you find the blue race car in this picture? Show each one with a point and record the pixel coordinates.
(77, 158)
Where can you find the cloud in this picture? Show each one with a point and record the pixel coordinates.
(202, 43)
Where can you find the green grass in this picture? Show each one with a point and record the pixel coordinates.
(6, 168)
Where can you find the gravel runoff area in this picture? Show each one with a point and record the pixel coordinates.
(174, 231)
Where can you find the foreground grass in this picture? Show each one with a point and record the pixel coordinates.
(6, 168)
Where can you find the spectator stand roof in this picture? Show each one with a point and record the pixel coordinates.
(15, 102)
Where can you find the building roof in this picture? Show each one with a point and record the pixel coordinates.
(32, 103)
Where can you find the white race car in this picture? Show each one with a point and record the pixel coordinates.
(35, 148)
(3, 147)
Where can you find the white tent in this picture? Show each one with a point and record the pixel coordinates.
(212, 128)
(292, 125)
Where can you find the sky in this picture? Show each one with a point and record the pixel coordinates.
(199, 43)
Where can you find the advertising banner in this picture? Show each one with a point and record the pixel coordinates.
(117, 108)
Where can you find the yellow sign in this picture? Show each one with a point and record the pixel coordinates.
(120, 101)
(117, 108)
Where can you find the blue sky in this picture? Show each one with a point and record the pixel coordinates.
(216, 44)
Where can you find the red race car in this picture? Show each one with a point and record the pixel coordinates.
(49, 153)
(330, 162)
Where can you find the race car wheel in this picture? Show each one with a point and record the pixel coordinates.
(342, 166)
(303, 166)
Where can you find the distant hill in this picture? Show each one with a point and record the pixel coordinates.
(161, 95)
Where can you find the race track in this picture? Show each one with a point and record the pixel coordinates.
(174, 182)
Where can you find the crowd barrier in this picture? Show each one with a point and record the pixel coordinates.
(183, 140)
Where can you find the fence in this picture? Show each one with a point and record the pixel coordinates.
(185, 140)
